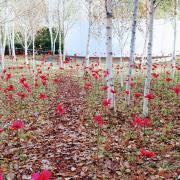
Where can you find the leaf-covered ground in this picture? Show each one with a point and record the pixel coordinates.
(72, 146)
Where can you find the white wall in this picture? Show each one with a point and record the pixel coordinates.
(163, 40)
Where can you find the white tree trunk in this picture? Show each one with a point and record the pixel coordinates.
(144, 50)
(121, 66)
(33, 44)
(1, 53)
(51, 38)
(26, 47)
(12, 42)
(9, 42)
(60, 51)
(145, 44)
(89, 32)
(132, 51)
(175, 35)
(149, 59)
(110, 83)
(64, 52)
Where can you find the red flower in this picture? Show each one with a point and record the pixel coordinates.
(87, 86)
(146, 122)
(104, 88)
(8, 76)
(150, 96)
(96, 75)
(142, 122)
(137, 121)
(56, 80)
(43, 77)
(1, 175)
(136, 95)
(147, 153)
(1, 130)
(27, 86)
(106, 102)
(113, 91)
(127, 91)
(42, 96)
(99, 120)
(176, 89)
(168, 79)
(10, 88)
(18, 124)
(4, 71)
(44, 175)
(132, 84)
(106, 73)
(21, 95)
(155, 75)
(22, 80)
(44, 82)
(59, 109)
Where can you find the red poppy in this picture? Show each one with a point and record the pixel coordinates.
(56, 80)
(87, 86)
(1, 175)
(147, 153)
(176, 89)
(99, 120)
(22, 95)
(96, 75)
(18, 124)
(106, 102)
(146, 122)
(1, 130)
(113, 91)
(44, 175)
(106, 73)
(104, 88)
(59, 109)
(142, 122)
(168, 79)
(8, 76)
(132, 84)
(137, 121)
(136, 95)
(155, 75)
(9, 88)
(150, 96)
(42, 96)
(27, 86)
(22, 80)
(127, 91)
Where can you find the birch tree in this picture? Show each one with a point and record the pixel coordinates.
(153, 4)
(50, 17)
(3, 31)
(23, 28)
(35, 19)
(149, 58)
(67, 12)
(174, 36)
(89, 30)
(121, 27)
(110, 84)
(95, 16)
(132, 52)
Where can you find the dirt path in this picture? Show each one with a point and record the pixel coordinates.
(63, 144)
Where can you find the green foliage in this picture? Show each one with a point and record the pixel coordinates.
(43, 40)
(165, 9)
